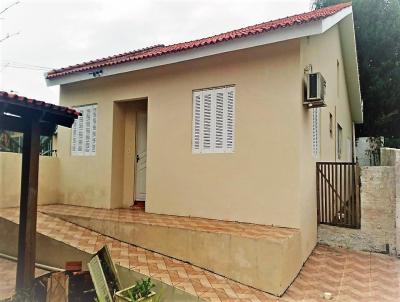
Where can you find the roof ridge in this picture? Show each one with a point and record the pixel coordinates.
(135, 51)
(161, 49)
(341, 5)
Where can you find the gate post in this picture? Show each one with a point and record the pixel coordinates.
(357, 180)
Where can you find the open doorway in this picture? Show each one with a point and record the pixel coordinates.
(129, 160)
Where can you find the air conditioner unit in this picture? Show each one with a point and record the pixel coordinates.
(316, 85)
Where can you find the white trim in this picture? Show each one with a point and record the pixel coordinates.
(330, 21)
(273, 36)
(350, 64)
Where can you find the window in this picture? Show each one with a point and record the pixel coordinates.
(339, 138)
(330, 124)
(315, 132)
(83, 136)
(213, 120)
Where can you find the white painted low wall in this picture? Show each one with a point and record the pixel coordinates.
(10, 179)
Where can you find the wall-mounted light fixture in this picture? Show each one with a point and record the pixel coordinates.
(97, 73)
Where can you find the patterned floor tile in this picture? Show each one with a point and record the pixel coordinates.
(348, 275)
(192, 223)
(8, 271)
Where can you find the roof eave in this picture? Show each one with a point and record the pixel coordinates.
(348, 42)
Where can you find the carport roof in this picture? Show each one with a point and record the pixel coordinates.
(16, 112)
(14, 99)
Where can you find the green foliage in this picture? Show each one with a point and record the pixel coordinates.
(11, 141)
(141, 290)
(392, 142)
(324, 3)
(377, 28)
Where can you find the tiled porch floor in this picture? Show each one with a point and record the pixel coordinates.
(8, 271)
(348, 275)
(192, 223)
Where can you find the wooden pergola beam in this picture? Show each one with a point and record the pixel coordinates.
(47, 115)
(18, 124)
(28, 205)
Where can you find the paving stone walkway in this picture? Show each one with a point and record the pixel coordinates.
(8, 271)
(348, 275)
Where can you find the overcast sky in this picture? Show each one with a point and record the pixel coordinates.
(58, 33)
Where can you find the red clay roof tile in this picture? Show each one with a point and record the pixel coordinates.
(159, 50)
(38, 104)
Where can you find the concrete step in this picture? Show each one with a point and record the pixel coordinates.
(264, 257)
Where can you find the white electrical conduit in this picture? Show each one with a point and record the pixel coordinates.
(38, 265)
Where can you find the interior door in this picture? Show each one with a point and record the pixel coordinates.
(141, 156)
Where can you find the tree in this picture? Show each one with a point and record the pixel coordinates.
(377, 29)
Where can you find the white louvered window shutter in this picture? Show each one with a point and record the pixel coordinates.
(74, 138)
(83, 134)
(80, 132)
(315, 132)
(220, 128)
(213, 120)
(230, 120)
(93, 134)
(88, 127)
(197, 121)
(207, 121)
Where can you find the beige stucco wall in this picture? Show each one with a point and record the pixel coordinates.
(10, 179)
(322, 52)
(248, 186)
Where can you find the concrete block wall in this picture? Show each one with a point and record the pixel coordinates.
(380, 209)
(391, 157)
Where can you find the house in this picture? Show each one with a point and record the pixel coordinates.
(215, 127)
